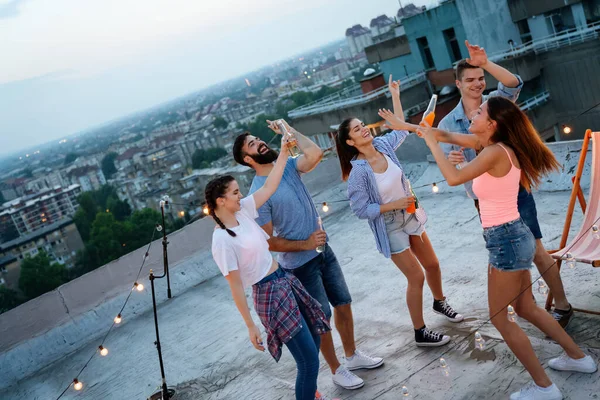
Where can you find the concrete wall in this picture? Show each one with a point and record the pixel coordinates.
(401, 66)
(521, 9)
(431, 24)
(477, 18)
(571, 77)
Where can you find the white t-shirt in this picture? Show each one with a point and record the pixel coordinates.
(389, 183)
(248, 251)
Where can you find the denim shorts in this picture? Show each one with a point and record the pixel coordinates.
(323, 279)
(528, 212)
(511, 246)
(399, 226)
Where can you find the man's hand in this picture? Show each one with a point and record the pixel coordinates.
(256, 338)
(275, 128)
(394, 86)
(456, 157)
(477, 55)
(318, 238)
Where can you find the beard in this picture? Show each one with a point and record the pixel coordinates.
(265, 158)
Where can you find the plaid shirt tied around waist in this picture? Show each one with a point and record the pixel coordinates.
(278, 302)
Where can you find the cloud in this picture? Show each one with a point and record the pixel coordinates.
(10, 9)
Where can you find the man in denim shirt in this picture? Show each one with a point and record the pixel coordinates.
(470, 81)
(292, 215)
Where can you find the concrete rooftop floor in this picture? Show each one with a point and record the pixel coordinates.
(208, 355)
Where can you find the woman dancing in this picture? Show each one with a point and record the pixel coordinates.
(240, 249)
(380, 192)
(512, 153)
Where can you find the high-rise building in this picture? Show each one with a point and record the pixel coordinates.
(28, 214)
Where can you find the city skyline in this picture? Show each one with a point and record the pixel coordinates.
(86, 65)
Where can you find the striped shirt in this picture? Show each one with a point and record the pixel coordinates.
(364, 195)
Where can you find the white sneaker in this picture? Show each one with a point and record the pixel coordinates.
(360, 360)
(534, 392)
(347, 379)
(566, 363)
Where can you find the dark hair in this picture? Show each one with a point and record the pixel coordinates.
(215, 189)
(460, 69)
(344, 150)
(514, 128)
(238, 153)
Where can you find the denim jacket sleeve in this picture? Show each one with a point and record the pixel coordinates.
(359, 196)
(447, 126)
(510, 93)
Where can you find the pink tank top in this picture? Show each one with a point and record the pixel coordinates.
(498, 196)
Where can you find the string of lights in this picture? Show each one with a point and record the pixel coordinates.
(567, 129)
(512, 316)
(76, 383)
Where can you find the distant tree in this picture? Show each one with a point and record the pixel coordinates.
(203, 157)
(119, 208)
(220, 123)
(8, 299)
(70, 157)
(109, 237)
(28, 173)
(108, 165)
(39, 275)
(301, 98)
(141, 225)
(8, 232)
(259, 127)
(2, 200)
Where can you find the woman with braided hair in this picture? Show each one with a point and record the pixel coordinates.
(240, 249)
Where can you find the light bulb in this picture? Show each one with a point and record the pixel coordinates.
(404, 391)
(479, 341)
(542, 287)
(566, 129)
(325, 207)
(596, 232)
(158, 227)
(118, 319)
(445, 367)
(77, 385)
(103, 350)
(138, 286)
(435, 188)
(571, 263)
(205, 210)
(512, 316)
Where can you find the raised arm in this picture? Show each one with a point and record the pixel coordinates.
(394, 87)
(478, 58)
(311, 152)
(459, 139)
(239, 297)
(484, 162)
(266, 191)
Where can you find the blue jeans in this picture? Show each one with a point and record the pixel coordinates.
(323, 279)
(511, 246)
(528, 212)
(304, 347)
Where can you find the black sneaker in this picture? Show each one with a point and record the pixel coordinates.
(442, 307)
(428, 338)
(562, 317)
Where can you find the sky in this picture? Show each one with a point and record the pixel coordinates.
(68, 65)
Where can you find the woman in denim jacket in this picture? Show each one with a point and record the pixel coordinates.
(380, 192)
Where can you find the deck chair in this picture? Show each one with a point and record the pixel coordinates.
(584, 248)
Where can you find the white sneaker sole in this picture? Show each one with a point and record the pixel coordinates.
(358, 386)
(450, 319)
(574, 369)
(442, 342)
(370, 366)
